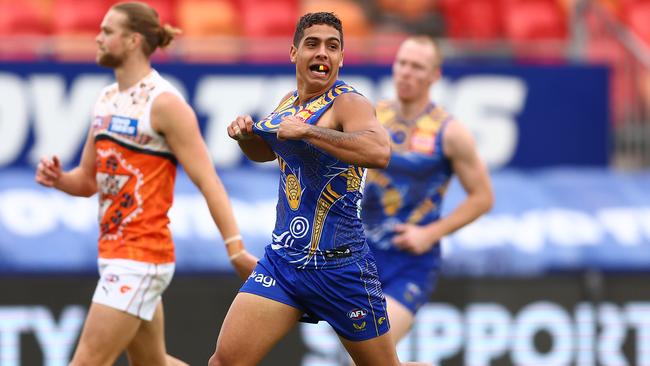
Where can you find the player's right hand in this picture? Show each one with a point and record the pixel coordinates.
(241, 128)
(48, 171)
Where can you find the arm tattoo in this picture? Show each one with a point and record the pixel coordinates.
(334, 136)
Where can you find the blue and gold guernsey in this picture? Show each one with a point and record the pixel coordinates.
(409, 190)
(318, 260)
(318, 223)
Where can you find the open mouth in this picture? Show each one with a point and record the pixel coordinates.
(319, 69)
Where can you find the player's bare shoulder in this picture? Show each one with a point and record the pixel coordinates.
(457, 138)
(167, 108)
(353, 108)
(351, 101)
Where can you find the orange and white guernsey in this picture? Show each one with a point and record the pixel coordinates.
(136, 171)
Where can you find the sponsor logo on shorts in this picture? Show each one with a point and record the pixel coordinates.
(124, 289)
(266, 281)
(359, 327)
(357, 314)
(381, 320)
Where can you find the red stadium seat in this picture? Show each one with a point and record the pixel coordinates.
(534, 20)
(269, 18)
(637, 17)
(473, 19)
(29, 17)
(78, 17)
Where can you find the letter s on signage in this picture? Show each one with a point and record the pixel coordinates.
(488, 106)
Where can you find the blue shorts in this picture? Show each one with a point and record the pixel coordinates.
(407, 278)
(349, 298)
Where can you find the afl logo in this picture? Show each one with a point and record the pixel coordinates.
(357, 314)
(293, 191)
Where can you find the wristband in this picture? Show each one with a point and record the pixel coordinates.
(237, 255)
(232, 239)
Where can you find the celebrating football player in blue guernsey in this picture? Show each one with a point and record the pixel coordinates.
(318, 266)
(401, 204)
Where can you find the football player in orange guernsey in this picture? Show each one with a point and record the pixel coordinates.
(141, 129)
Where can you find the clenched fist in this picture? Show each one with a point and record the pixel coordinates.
(241, 128)
(292, 128)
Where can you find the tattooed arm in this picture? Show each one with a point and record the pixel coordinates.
(355, 135)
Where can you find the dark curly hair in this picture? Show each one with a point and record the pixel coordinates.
(311, 19)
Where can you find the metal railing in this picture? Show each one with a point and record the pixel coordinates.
(630, 81)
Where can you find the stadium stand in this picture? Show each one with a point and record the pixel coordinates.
(201, 18)
(478, 19)
(537, 31)
(30, 17)
(257, 21)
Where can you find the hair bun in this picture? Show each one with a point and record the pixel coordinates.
(167, 35)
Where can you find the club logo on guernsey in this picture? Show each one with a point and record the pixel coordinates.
(123, 126)
(266, 281)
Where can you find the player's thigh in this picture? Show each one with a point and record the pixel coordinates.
(148, 344)
(372, 352)
(105, 334)
(399, 317)
(253, 325)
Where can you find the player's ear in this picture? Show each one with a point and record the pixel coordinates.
(292, 54)
(135, 40)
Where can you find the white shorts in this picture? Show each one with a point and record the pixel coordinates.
(132, 286)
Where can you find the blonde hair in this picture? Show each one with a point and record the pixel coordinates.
(142, 18)
(427, 40)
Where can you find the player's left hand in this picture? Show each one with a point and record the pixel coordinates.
(292, 128)
(244, 265)
(413, 238)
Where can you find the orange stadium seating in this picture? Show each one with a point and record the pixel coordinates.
(28, 17)
(356, 25)
(208, 18)
(411, 9)
(352, 15)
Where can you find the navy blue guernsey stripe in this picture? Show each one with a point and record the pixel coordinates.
(168, 156)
